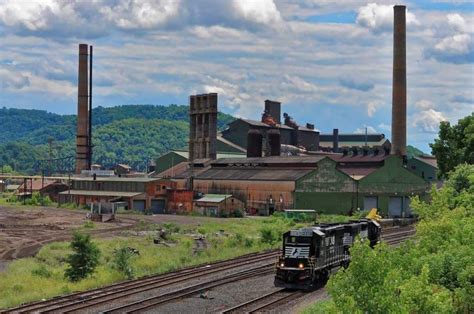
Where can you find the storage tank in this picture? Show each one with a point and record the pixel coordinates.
(254, 143)
(274, 140)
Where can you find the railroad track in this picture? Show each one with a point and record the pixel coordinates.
(116, 293)
(96, 297)
(266, 301)
(146, 304)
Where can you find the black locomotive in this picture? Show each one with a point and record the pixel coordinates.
(309, 254)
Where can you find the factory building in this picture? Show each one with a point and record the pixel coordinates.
(290, 133)
(340, 143)
(175, 157)
(425, 167)
(328, 184)
(142, 194)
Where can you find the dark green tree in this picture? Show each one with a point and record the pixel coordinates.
(84, 259)
(454, 145)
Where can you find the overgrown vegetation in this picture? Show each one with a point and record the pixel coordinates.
(432, 274)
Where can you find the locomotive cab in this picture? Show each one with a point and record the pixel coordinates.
(309, 254)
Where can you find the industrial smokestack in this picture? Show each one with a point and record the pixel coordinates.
(274, 140)
(399, 87)
(335, 140)
(274, 109)
(82, 137)
(254, 143)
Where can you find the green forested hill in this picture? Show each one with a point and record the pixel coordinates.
(130, 132)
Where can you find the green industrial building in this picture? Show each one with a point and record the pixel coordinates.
(341, 187)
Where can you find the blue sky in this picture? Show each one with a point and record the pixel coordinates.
(329, 63)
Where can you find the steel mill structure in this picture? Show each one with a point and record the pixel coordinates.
(269, 164)
(203, 126)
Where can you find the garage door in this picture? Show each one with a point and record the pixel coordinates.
(406, 207)
(158, 206)
(370, 202)
(139, 205)
(395, 206)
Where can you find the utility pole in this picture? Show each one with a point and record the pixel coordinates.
(50, 160)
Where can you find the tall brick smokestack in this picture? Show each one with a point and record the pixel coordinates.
(82, 137)
(399, 87)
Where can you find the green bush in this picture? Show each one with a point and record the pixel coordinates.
(37, 199)
(41, 271)
(122, 262)
(433, 274)
(88, 225)
(267, 235)
(85, 258)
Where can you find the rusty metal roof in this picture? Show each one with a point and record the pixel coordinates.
(253, 174)
(278, 126)
(359, 158)
(101, 193)
(272, 160)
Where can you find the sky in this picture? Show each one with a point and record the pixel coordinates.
(328, 62)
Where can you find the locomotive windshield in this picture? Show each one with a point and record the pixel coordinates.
(297, 240)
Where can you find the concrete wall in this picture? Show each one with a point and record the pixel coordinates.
(326, 189)
(224, 208)
(255, 194)
(422, 169)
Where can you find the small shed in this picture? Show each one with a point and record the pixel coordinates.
(219, 205)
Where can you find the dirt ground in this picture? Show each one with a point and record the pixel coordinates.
(23, 230)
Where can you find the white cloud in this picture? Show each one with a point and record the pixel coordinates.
(259, 11)
(456, 45)
(141, 14)
(296, 83)
(370, 130)
(428, 120)
(457, 22)
(423, 104)
(385, 127)
(372, 107)
(379, 17)
(98, 18)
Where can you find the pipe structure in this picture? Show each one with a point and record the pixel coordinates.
(399, 87)
(82, 138)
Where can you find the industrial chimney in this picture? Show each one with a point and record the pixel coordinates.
(82, 136)
(274, 140)
(254, 143)
(274, 109)
(399, 87)
(335, 140)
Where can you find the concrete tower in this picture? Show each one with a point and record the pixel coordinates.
(203, 126)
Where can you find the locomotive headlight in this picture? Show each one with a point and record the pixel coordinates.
(301, 265)
(282, 264)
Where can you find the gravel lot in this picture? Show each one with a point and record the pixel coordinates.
(23, 230)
